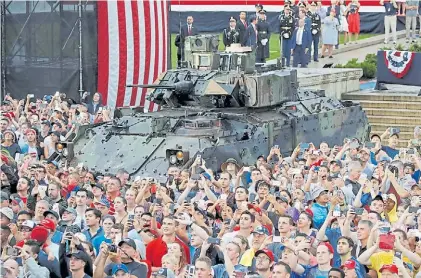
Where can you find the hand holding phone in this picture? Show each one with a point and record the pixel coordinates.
(214, 240)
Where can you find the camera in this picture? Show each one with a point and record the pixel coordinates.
(112, 248)
(393, 169)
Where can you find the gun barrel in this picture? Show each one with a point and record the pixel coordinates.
(152, 86)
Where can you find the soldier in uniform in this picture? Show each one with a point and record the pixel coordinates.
(294, 8)
(287, 25)
(231, 35)
(316, 26)
(258, 8)
(263, 36)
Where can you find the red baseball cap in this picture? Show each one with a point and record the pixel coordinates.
(389, 267)
(48, 224)
(328, 245)
(349, 264)
(267, 252)
(309, 212)
(256, 208)
(40, 234)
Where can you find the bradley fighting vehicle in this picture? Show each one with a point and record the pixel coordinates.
(221, 106)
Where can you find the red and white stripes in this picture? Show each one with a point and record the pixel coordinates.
(132, 49)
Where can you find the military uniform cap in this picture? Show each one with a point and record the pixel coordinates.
(262, 12)
(313, 4)
(232, 19)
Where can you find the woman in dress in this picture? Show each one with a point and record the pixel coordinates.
(344, 21)
(353, 20)
(330, 33)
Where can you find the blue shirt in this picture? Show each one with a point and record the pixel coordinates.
(57, 236)
(314, 272)
(390, 151)
(390, 10)
(333, 235)
(96, 242)
(416, 175)
(277, 248)
(90, 237)
(320, 214)
(220, 271)
(359, 269)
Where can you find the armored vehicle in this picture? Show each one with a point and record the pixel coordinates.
(222, 106)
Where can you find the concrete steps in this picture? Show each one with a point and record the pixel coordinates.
(393, 112)
(385, 110)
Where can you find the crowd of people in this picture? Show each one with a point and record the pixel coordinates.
(347, 210)
(304, 25)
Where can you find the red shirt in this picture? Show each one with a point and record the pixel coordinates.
(157, 248)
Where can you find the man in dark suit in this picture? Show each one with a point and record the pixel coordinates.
(301, 42)
(251, 33)
(185, 31)
(242, 28)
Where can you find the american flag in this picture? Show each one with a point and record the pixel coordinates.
(132, 49)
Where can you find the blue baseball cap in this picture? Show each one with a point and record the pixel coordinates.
(261, 230)
(119, 267)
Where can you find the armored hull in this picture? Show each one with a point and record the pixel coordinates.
(218, 115)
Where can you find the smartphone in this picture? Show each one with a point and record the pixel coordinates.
(172, 208)
(415, 142)
(410, 151)
(74, 106)
(387, 241)
(276, 146)
(324, 163)
(304, 146)
(57, 94)
(413, 209)
(11, 251)
(276, 183)
(316, 169)
(195, 177)
(73, 194)
(200, 158)
(227, 221)
(277, 238)
(358, 211)
(306, 168)
(369, 145)
(31, 96)
(100, 109)
(239, 274)
(190, 270)
(246, 169)
(170, 179)
(398, 255)
(394, 130)
(131, 217)
(223, 197)
(354, 145)
(214, 240)
(158, 201)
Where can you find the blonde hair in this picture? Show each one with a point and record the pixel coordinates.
(172, 259)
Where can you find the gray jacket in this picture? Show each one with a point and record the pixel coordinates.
(31, 269)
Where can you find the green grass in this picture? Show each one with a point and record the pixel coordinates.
(273, 46)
